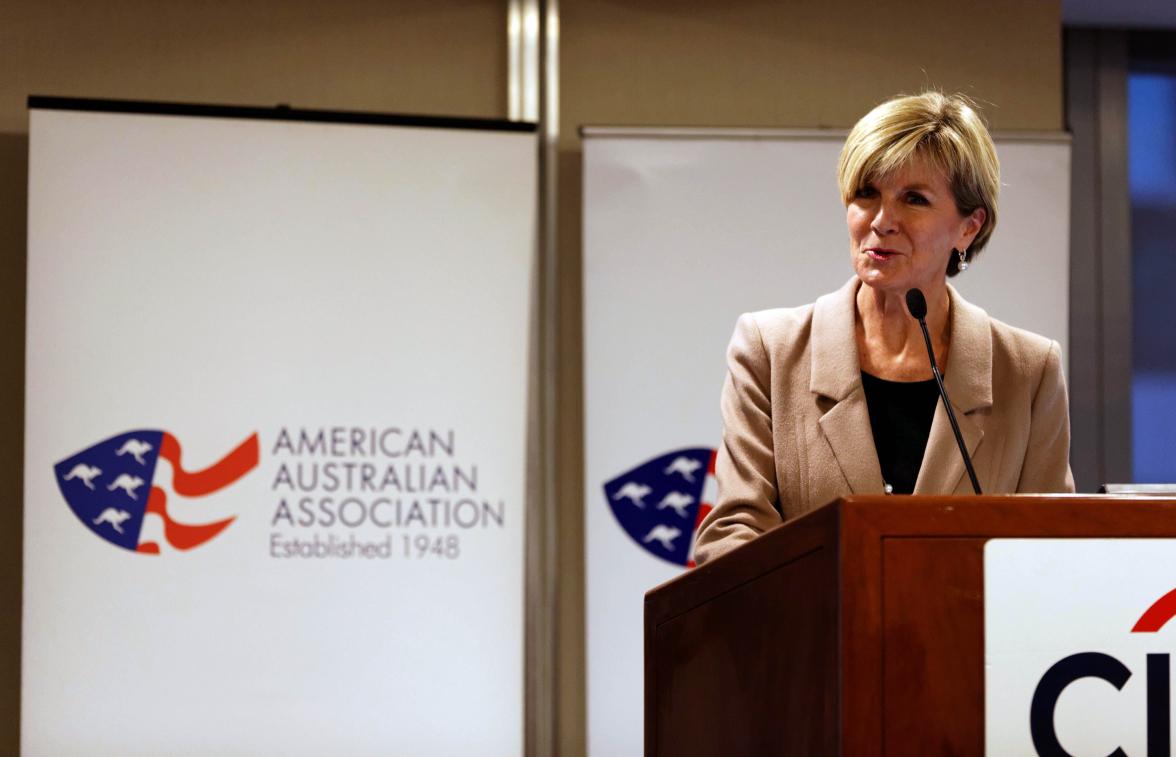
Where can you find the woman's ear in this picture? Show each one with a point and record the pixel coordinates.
(972, 225)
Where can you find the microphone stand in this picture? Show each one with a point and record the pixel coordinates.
(955, 427)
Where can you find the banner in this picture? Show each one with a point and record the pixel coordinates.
(684, 231)
(276, 419)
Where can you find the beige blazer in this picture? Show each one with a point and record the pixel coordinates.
(796, 429)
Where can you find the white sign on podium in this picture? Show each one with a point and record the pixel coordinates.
(1078, 646)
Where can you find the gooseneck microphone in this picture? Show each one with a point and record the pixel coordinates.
(917, 304)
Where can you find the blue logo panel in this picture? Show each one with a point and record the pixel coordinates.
(657, 502)
(107, 486)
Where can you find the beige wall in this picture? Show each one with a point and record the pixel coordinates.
(681, 62)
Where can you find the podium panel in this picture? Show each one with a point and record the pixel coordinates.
(857, 629)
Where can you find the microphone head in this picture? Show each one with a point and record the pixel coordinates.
(916, 303)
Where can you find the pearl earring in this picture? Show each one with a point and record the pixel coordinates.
(963, 266)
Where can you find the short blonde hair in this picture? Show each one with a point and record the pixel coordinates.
(944, 129)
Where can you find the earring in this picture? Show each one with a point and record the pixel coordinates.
(963, 266)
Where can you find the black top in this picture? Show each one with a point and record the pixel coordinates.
(900, 417)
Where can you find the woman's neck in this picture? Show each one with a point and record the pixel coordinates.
(890, 342)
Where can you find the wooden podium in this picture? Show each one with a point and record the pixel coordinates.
(857, 629)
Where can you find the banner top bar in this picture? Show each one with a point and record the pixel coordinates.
(276, 113)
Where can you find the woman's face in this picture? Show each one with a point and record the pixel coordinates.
(903, 227)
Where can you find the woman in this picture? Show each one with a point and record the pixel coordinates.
(838, 398)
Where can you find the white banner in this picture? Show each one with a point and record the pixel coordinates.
(682, 234)
(274, 459)
(1078, 646)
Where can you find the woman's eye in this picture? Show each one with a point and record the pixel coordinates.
(865, 192)
(916, 199)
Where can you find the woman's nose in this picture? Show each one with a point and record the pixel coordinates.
(885, 220)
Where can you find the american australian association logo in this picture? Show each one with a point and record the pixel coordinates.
(333, 492)
(661, 502)
(111, 487)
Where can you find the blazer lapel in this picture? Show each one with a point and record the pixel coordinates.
(968, 379)
(847, 429)
(836, 374)
(943, 467)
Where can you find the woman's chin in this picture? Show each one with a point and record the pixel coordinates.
(880, 278)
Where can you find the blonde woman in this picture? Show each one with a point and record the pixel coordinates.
(837, 397)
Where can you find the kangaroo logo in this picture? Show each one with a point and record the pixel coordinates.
(686, 466)
(663, 535)
(634, 492)
(127, 483)
(678, 502)
(666, 530)
(136, 448)
(84, 473)
(132, 458)
(114, 517)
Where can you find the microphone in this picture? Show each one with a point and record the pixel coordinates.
(917, 305)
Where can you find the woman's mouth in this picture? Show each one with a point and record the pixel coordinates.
(880, 254)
